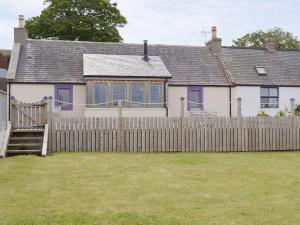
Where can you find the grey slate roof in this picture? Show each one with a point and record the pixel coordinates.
(124, 66)
(62, 61)
(282, 67)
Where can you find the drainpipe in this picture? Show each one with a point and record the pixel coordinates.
(165, 98)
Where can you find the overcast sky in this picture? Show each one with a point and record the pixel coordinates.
(177, 21)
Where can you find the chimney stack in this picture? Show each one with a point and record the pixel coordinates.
(146, 57)
(215, 44)
(270, 44)
(21, 21)
(20, 33)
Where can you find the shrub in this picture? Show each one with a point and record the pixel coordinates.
(281, 113)
(262, 113)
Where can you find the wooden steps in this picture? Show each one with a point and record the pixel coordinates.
(25, 141)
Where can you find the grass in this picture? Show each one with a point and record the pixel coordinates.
(129, 189)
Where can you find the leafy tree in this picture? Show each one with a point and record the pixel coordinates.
(283, 39)
(82, 20)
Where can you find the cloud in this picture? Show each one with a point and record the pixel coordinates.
(177, 21)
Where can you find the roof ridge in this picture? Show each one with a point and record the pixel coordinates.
(262, 49)
(115, 43)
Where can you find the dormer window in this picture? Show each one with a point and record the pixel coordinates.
(260, 70)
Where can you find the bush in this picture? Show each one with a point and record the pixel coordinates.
(262, 113)
(281, 113)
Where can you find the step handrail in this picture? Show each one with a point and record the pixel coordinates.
(45, 140)
(6, 140)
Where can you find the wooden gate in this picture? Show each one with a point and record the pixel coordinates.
(28, 115)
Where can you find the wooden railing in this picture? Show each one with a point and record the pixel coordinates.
(29, 115)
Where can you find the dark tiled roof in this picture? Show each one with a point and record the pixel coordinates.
(62, 61)
(282, 67)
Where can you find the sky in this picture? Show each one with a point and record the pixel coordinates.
(181, 22)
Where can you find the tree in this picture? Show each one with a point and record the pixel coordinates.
(283, 39)
(82, 20)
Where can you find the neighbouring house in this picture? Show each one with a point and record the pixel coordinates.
(87, 78)
(3, 72)
(265, 79)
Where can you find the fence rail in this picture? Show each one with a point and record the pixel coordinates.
(3, 110)
(175, 134)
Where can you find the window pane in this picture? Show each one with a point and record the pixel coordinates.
(155, 96)
(264, 102)
(273, 102)
(100, 93)
(264, 92)
(273, 92)
(118, 92)
(195, 99)
(137, 93)
(63, 97)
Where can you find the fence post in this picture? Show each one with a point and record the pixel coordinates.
(50, 123)
(240, 125)
(182, 132)
(239, 107)
(12, 111)
(182, 107)
(292, 106)
(120, 125)
(45, 111)
(292, 109)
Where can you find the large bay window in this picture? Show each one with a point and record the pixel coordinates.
(154, 93)
(137, 94)
(134, 93)
(118, 92)
(100, 93)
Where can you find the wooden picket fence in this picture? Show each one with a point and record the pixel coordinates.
(175, 134)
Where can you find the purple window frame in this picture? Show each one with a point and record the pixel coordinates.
(195, 88)
(66, 87)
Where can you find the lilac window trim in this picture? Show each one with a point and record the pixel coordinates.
(194, 88)
(68, 87)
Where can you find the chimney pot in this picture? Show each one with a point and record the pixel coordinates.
(21, 21)
(146, 57)
(214, 32)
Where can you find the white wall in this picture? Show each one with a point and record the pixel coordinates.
(36, 92)
(127, 112)
(251, 99)
(216, 100)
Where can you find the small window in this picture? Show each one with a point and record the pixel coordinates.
(64, 97)
(137, 94)
(269, 97)
(195, 98)
(260, 70)
(100, 94)
(154, 93)
(118, 92)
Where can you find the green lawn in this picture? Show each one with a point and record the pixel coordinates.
(87, 188)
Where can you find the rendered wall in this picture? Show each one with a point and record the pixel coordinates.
(251, 100)
(36, 92)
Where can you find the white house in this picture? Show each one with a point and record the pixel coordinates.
(88, 78)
